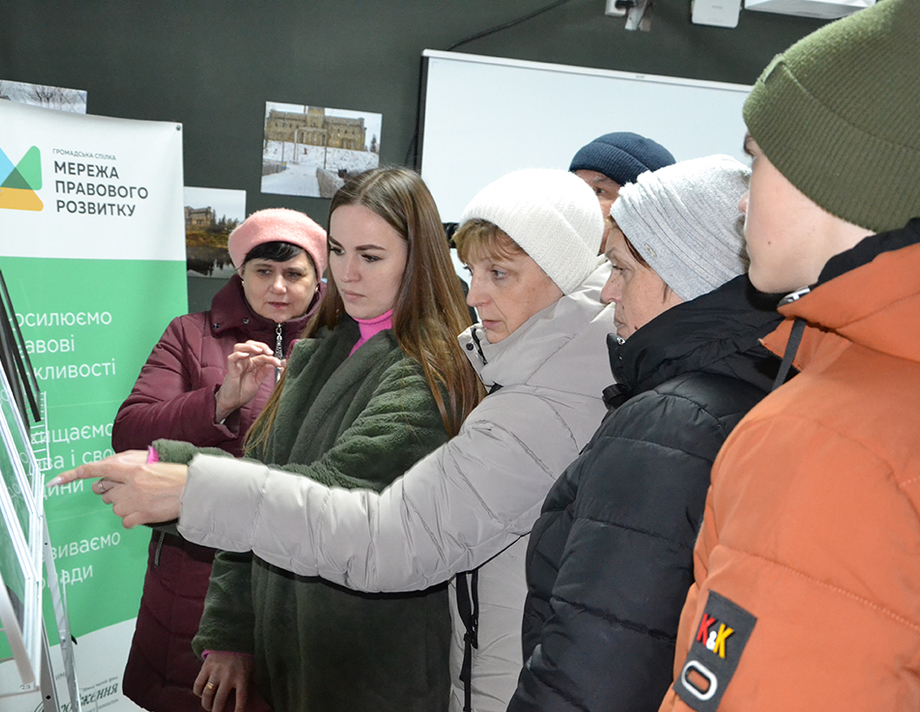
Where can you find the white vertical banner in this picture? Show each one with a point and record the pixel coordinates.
(92, 248)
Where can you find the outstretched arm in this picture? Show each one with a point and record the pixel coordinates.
(452, 511)
(139, 492)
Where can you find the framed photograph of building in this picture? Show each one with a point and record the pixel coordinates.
(310, 150)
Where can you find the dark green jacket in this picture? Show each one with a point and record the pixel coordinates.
(357, 422)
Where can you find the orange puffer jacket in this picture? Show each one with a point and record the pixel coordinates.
(807, 569)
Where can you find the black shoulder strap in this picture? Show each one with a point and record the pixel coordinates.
(468, 608)
(795, 338)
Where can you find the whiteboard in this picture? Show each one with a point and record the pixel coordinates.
(486, 116)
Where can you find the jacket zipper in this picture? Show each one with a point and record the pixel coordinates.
(279, 347)
(156, 556)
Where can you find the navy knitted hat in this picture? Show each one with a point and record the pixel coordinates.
(622, 156)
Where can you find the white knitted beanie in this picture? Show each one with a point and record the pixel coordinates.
(684, 221)
(554, 217)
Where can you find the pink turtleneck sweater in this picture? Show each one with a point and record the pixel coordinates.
(371, 327)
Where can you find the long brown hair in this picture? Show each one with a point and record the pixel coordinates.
(430, 310)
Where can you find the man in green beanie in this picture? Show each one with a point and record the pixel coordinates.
(807, 569)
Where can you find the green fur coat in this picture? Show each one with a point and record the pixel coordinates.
(357, 422)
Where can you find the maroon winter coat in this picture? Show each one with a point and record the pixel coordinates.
(174, 398)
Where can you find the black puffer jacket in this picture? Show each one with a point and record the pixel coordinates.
(611, 558)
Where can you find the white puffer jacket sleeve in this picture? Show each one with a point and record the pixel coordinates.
(454, 510)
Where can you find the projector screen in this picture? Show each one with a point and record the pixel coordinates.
(485, 116)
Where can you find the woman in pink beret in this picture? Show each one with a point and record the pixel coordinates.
(195, 387)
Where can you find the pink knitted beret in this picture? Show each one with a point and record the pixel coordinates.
(278, 225)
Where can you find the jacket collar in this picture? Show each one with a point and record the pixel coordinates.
(715, 332)
(575, 325)
(867, 296)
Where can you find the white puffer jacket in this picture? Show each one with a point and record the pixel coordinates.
(471, 503)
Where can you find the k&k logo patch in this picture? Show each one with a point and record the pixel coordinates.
(721, 635)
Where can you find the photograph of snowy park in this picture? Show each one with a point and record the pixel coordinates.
(309, 150)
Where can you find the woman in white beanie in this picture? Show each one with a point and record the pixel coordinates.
(610, 558)
(529, 239)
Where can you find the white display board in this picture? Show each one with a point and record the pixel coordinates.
(486, 116)
(21, 522)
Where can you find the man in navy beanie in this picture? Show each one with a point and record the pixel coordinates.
(611, 161)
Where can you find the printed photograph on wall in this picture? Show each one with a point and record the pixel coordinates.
(210, 216)
(48, 97)
(310, 150)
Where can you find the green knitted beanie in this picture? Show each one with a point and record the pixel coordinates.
(838, 114)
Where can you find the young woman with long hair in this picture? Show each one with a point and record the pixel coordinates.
(377, 382)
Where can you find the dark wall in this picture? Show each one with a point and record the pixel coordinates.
(212, 64)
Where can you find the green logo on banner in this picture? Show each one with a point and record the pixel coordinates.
(18, 183)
